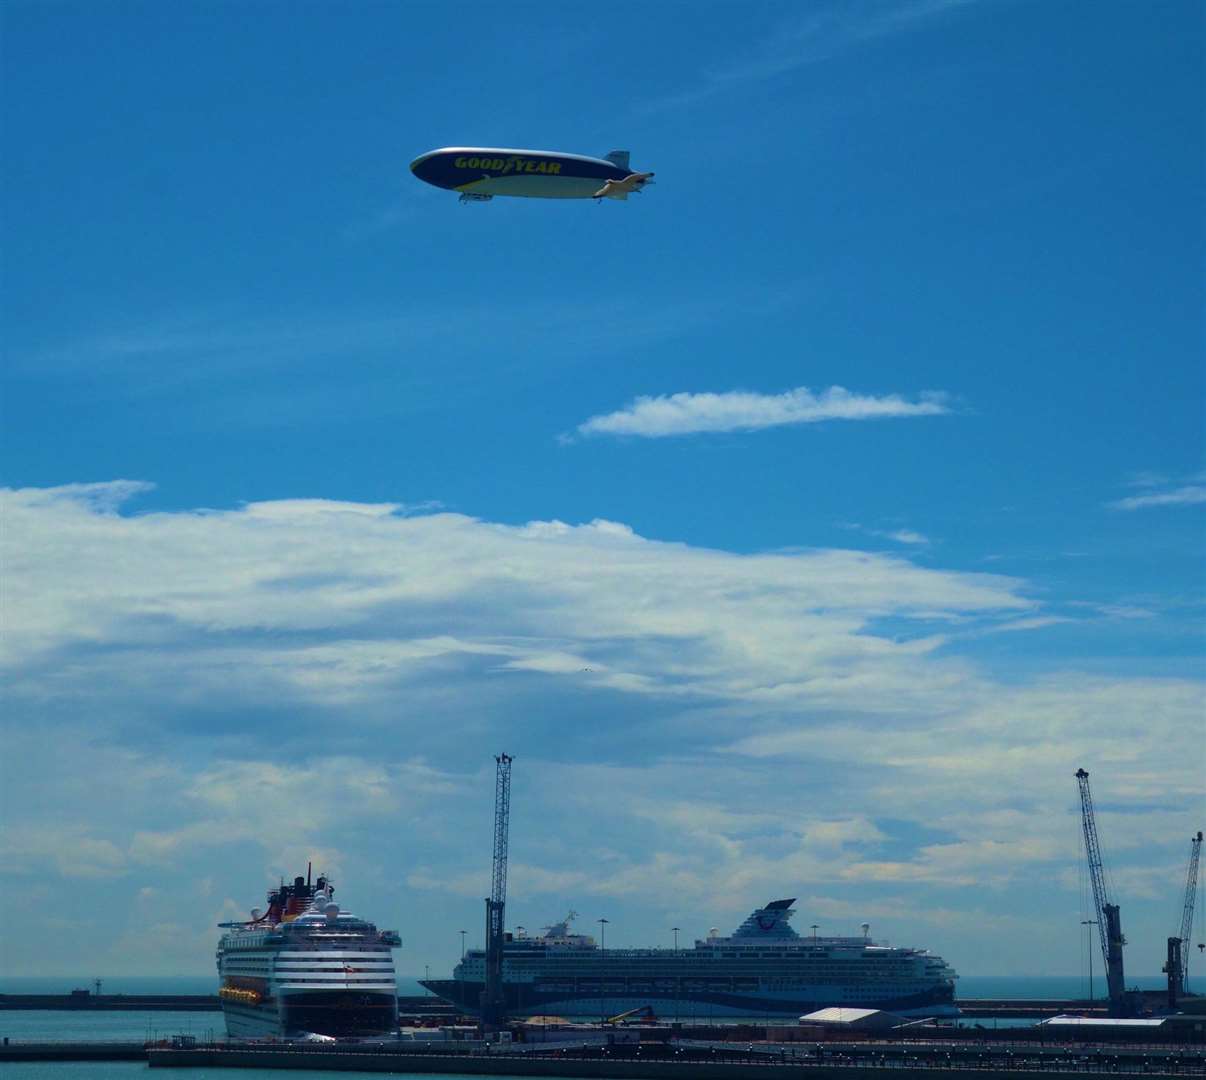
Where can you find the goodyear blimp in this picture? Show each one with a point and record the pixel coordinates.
(481, 172)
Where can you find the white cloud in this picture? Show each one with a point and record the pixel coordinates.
(686, 413)
(901, 536)
(1189, 495)
(267, 604)
(812, 35)
(1039, 622)
(236, 693)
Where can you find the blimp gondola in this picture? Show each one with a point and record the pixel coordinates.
(481, 172)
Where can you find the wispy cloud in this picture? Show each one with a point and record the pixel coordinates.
(1039, 622)
(738, 410)
(900, 536)
(815, 34)
(1188, 495)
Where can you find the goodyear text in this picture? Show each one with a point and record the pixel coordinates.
(503, 166)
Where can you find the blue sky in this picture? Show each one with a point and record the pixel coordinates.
(800, 525)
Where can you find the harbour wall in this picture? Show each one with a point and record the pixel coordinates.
(78, 1051)
(109, 1002)
(664, 1067)
(429, 1006)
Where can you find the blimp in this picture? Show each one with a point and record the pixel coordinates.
(481, 172)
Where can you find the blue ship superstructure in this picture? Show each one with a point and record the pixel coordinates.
(764, 969)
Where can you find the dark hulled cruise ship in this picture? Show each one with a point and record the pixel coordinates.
(764, 969)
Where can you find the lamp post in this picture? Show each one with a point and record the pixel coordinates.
(462, 933)
(676, 930)
(1086, 923)
(814, 933)
(426, 977)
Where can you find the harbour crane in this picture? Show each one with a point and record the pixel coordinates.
(1109, 922)
(1176, 966)
(493, 999)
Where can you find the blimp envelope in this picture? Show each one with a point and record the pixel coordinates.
(482, 172)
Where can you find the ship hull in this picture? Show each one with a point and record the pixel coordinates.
(339, 1012)
(524, 999)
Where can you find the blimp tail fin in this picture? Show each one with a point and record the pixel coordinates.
(619, 158)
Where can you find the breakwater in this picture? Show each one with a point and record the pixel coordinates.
(74, 1051)
(418, 1005)
(109, 1002)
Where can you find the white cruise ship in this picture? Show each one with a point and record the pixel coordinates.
(303, 966)
(764, 969)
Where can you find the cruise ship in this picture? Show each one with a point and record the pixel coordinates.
(303, 967)
(764, 969)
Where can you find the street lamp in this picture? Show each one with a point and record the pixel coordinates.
(426, 977)
(814, 933)
(676, 930)
(1086, 923)
(462, 933)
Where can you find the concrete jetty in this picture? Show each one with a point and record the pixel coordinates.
(73, 1051)
(669, 1062)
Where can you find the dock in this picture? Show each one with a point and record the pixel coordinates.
(684, 1062)
(675, 1059)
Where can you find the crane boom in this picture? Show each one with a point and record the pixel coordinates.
(1191, 892)
(493, 1001)
(1093, 853)
(1109, 921)
(502, 824)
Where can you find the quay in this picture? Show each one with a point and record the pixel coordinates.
(674, 1059)
(685, 1062)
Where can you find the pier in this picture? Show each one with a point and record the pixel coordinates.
(691, 1062)
(676, 1058)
